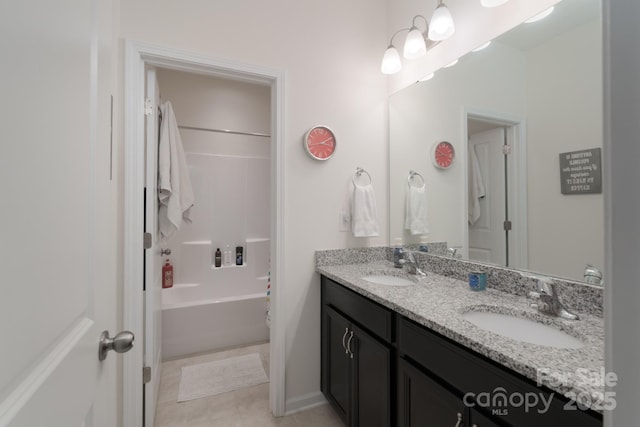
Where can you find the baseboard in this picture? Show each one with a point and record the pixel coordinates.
(304, 402)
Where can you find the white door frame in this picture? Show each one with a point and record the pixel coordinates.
(137, 55)
(516, 132)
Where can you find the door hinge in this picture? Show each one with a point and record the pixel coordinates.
(148, 240)
(146, 374)
(506, 149)
(507, 225)
(148, 106)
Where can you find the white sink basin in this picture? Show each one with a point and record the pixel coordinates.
(522, 329)
(382, 279)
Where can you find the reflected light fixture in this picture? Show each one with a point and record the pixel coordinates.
(451, 64)
(492, 3)
(482, 46)
(427, 77)
(540, 16)
(415, 44)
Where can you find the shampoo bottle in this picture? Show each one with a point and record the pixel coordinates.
(218, 258)
(239, 259)
(167, 275)
(227, 256)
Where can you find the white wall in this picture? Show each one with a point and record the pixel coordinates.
(330, 51)
(556, 123)
(474, 26)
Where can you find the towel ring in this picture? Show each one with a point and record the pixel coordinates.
(413, 174)
(359, 171)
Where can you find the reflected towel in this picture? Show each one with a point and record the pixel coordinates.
(175, 193)
(416, 211)
(363, 212)
(476, 186)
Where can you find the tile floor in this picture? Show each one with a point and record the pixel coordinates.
(248, 407)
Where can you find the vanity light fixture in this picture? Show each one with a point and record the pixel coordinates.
(540, 16)
(492, 3)
(415, 44)
(440, 28)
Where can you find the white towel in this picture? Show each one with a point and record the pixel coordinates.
(416, 211)
(174, 185)
(363, 212)
(476, 186)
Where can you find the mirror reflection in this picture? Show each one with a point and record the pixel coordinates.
(524, 119)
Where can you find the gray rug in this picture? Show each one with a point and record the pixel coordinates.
(221, 376)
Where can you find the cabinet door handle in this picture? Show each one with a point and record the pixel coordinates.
(349, 344)
(459, 419)
(346, 331)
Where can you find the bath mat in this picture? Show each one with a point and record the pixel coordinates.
(221, 376)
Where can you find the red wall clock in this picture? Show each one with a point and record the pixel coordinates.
(443, 154)
(320, 143)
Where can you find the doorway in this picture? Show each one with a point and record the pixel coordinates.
(496, 190)
(138, 57)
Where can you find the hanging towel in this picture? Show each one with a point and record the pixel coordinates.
(363, 212)
(174, 185)
(416, 211)
(476, 186)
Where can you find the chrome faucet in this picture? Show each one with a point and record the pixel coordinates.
(409, 260)
(548, 301)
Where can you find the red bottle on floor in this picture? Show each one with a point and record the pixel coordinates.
(167, 275)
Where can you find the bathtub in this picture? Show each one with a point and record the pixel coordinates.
(199, 318)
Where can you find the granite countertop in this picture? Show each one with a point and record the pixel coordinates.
(437, 302)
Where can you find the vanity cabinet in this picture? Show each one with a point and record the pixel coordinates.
(356, 357)
(429, 361)
(382, 369)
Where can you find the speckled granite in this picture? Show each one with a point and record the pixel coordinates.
(350, 256)
(437, 302)
(577, 296)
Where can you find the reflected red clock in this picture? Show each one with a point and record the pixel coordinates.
(320, 143)
(443, 154)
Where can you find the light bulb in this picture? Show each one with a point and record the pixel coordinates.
(492, 3)
(441, 26)
(391, 61)
(414, 45)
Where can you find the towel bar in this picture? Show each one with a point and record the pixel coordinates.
(413, 174)
(359, 171)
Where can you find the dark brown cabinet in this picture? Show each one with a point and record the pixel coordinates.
(424, 402)
(356, 369)
(382, 369)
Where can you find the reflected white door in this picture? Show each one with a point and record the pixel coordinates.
(58, 210)
(487, 238)
(153, 261)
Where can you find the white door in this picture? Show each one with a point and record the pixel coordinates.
(58, 211)
(153, 261)
(487, 237)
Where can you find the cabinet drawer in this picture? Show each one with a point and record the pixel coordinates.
(368, 314)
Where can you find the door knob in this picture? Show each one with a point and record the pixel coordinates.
(121, 343)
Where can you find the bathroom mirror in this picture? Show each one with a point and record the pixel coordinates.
(537, 89)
